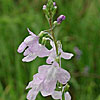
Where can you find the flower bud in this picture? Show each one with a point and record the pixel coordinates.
(41, 34)
(55, 23)
(66, 88)
(44, 41)
(60, 19)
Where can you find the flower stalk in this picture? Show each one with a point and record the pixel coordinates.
(51, 79)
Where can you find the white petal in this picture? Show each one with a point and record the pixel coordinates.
(66, 55)
(67, 96)
(21, 47)
(29, 58)
(57, 95)
(63, 76)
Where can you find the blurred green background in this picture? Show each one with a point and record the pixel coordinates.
(79, 33)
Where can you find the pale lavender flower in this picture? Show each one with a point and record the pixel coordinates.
(33, 48)
(53, 55)
(58, 95)
(54, 3)
(45, 80)
(60, 19)
(44, 7)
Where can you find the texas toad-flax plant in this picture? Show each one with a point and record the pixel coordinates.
(51, 79)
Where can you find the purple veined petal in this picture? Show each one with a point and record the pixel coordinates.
(66, 55)
(43, 69)
(29, 58)
(63, 76)
(67, 96)
(32, 94)
(57, 95)
(31, 33)
(43, 51)
(21, 47)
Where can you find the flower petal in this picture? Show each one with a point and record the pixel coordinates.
(28, 40)
(30, 85)
(66, 55)
(49, 60)
(43, 51)
(29, 58)
(32, 94)
(67, 96)
(31, 33)
(27, 52)
(49, 86)
(57, 95)
(21, 47)
(45, 93)
(63, 76)
(43, 69)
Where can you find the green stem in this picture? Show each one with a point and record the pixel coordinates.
(55, 42)
(52, 33)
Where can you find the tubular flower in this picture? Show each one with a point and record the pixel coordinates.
(62, 54)
(32, 48)
(45, 80)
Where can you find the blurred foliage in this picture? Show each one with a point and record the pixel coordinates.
(81, 29)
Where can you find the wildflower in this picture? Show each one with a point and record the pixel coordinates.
(45, 80)
(60, 19)
(52, 55)
(33, 48)
(54, 3)
(44, 7)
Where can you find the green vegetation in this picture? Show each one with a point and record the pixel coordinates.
(80, 29)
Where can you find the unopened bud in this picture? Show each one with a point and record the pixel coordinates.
(55, 23)
(41, 34)
(60, 19)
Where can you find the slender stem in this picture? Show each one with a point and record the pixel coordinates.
(52, 33)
